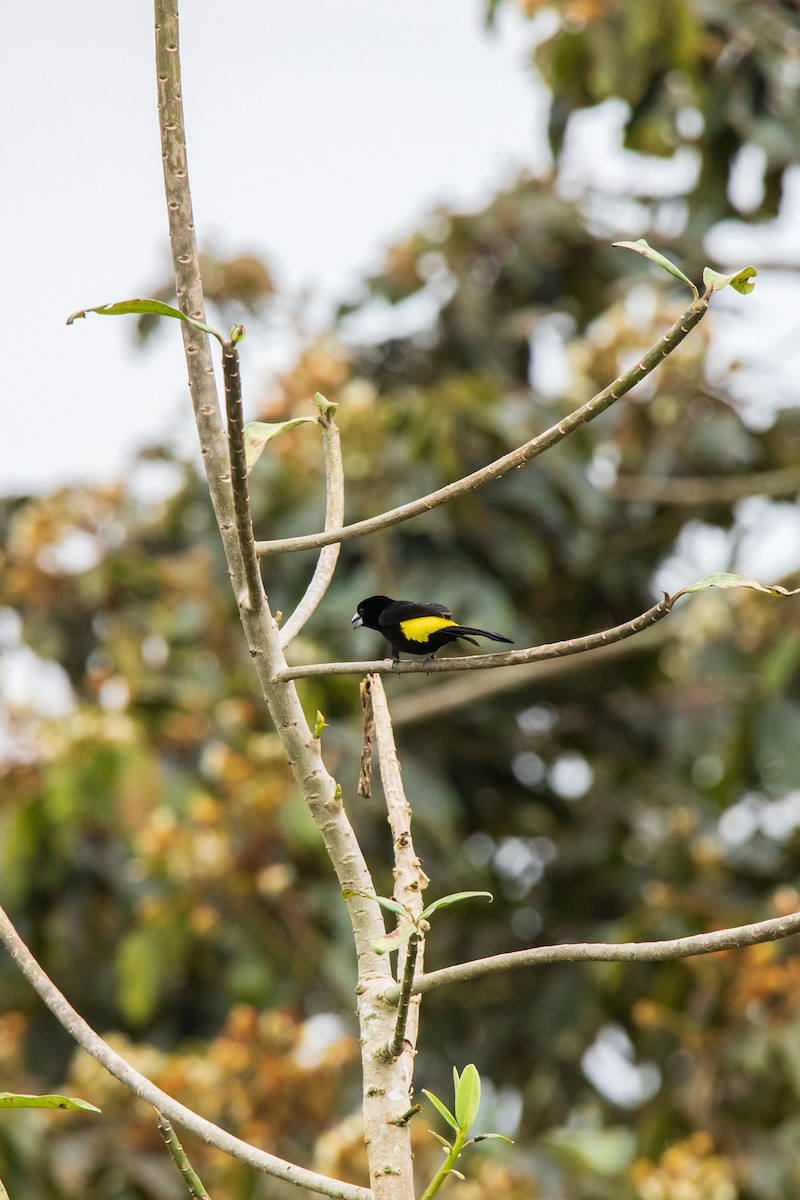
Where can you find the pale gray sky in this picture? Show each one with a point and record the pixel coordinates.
(319, 133)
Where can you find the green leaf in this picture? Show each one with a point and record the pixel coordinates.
(440, 1139)
(442, 1109)
(258, 433)
(320, 724)
(13, 1100)
(155, 307)
(455, 898)
(642, 247)
(741, 281)
(489, 1137)
(384, 901)
(722, 579)
(390, 905)
(468, 1096)
(325, 406)
(394, 940)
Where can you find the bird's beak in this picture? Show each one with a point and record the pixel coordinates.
(356, 622)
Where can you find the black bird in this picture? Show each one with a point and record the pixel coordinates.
(413, 628)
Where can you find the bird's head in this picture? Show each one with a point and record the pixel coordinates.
(369, 610)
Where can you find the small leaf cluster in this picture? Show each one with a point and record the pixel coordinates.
(467, 1092)
(407, 923)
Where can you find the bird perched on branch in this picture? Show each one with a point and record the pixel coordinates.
(413, 628)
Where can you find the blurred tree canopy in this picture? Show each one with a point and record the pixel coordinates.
(152, 848)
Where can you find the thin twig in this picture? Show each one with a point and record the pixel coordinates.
(334, 515)
(238, 474)
(515, 458)
(684, 947)
(477, 662)
(82, 1033)
(195, 1185)
(398, 1042)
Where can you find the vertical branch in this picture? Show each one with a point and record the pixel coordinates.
(188, 284)
(388, 1076)
(254, 597)
(410, 879)
(385, 1098)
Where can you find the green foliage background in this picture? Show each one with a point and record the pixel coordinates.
(153, 851)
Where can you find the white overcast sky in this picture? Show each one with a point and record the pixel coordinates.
(319, 133)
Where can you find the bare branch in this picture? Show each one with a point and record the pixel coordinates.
(479, 662)
(388, 1069)
(429, 703)
(254, 596)
(334, 515)
(684, 947)
(188, 285)
(410, 880)
(515, 458)
(85, 1036)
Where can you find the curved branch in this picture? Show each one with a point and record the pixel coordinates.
(684, 947)
(515, 458)
(137, 1083)
(479, 662)
(334, 515)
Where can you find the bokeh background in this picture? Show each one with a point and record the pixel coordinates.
(153, 850)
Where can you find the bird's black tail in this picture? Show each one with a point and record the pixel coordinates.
(469, 634)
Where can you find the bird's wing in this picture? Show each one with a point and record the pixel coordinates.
(406, 610)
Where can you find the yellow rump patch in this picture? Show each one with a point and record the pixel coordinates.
(419, 629)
